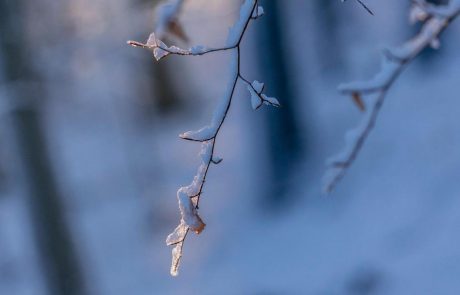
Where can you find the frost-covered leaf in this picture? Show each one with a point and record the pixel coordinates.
(256, 101)
(159, 53)
(258, 98)
(152, 41)
(255, 89)
(258, 12)
(258, 86)
(216, 160)
(270, 101)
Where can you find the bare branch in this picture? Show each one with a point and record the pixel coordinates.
(436, 19)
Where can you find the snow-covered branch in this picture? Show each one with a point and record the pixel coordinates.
(189, 196)
(435, 20)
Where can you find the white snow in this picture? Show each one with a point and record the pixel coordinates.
(203, 134)
(236, 31)
(188, 211)
(388, 71)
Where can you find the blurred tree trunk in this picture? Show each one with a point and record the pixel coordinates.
(284, 143)
(58, 257)
(328, 42)
(166, 98)
(161, 94)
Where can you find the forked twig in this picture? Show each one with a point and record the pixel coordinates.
(189, 196)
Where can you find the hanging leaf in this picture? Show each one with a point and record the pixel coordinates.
(271, 101)
(356, 97)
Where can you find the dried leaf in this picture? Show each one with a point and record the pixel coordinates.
(356, 97)
(176, 29)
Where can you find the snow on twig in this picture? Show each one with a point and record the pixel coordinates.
(189, 196)
(436, 19)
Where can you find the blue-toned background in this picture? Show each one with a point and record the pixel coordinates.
(90, 160)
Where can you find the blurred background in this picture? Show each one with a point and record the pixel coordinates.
(90, 160)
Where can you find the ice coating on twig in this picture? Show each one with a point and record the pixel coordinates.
(188, 209)
(176, 239)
